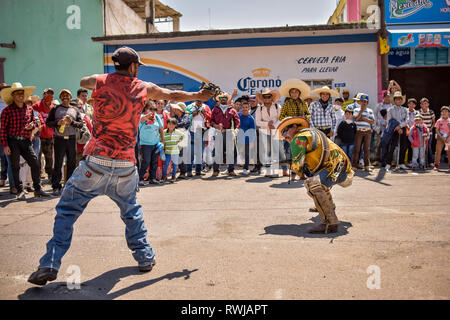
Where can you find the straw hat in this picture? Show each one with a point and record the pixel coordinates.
(298, 84)
(16, 86)
(325, 89)
(3, 86)
(275, 95)
(179, 106)
(299, 121)
(313, 98)
(398, 94)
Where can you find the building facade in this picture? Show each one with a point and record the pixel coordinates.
(342, 57)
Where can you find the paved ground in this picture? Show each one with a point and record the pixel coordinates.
(245, 238)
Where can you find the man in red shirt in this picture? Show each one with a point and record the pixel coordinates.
(223, 118)
(17, 125)
(109, 168)
(46, 135)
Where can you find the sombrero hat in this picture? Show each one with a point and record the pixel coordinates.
(299, 121)
(313, 98)
(16, 86)
(275, 95)
(179, 106)
(302, 86)
(398, 94)
(325, 89)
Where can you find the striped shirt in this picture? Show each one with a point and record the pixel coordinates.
(367, 114)
(322, 118)
(427, 118)
(172, 141)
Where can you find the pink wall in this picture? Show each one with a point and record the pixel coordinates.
(353, 10)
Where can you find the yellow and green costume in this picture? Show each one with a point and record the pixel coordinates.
(308, 147)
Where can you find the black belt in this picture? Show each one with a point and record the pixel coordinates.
(18, 138)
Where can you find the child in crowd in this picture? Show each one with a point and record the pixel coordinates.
(246, 140)
(150, 134)
(172, 137)
(442, 136)
(346, 133)
(418, 136)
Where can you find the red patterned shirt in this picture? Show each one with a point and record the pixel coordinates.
(13, 122)
(118, 104)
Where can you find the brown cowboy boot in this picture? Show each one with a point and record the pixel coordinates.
(323, 228)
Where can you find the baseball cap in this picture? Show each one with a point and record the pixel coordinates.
(49, 90)
(124, 56)
(66, 91)
(362, 96)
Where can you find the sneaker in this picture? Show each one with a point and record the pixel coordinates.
(57, 191)
(154, 181)
(13, 190)
(436, 167)
(197, 174)
(21, 196)
(361, 162)
(403, 166)
(42, 275)
(182, 176)
(245, 172)
(141, 183)
(255, 170)
(146, 266)
(387, 168)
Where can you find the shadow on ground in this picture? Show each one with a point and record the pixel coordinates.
(98, 288)
(302, 229)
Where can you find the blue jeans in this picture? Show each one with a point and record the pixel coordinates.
(88, 181)
(348, 148)
(328, 181)
(149, 157)
(6, 168)
(174, 158)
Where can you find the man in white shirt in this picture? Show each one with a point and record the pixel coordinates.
(266, 119)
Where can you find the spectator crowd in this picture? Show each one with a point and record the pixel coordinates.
(43, 139)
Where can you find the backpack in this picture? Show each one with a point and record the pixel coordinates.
(83, 134)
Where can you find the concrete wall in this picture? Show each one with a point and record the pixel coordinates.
(54, 45)
(121, 19)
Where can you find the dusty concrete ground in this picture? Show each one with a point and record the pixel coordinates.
(245, 238)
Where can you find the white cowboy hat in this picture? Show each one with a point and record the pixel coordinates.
(325, 89)
(298, 84)
(398, 94)
(16, 86)
(179, 106)
(275, 95)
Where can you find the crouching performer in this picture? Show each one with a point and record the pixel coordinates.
(321, 163)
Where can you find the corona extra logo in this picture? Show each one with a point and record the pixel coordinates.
(261, 72)
(258, 81)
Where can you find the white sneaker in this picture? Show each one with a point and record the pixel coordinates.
(403, 166)
(246, 172)
(387, 168)
(361, 162)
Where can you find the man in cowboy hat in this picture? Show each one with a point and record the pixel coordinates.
(267, 119)
(399, 113)
(321, 162)
(65, 119)
(17, 124)
(110, 165)
(295, 91)
(323, 116)
(224, 118)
